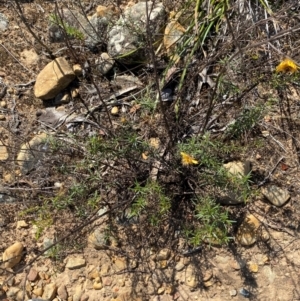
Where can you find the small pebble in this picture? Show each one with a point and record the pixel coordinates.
(77, 70)
(233, 293)
(3, 104)
(166, 95)
(75, 92)
(115, 111)
(22, 224)
(244, 293)
(2, 117)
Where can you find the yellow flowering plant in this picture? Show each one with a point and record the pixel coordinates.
(186, 159)
(287, 66)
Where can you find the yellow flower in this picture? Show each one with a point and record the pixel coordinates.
(187, 159)
(287, 66)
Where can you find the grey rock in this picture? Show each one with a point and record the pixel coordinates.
(47, 243)
(126, 81)
(32, 153)
(96, 32)
(244, 293)
(127, 39)
(5, 198)
(127, 218)
(98, 239)
(3, 22)
(93, 30)
(103, 210)
(105, 63)
(75, 263)
(277, 196)
(52, 117)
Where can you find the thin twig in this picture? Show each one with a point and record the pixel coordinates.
(270, 173)
(15, 58)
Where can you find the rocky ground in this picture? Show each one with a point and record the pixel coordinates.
(64, 257)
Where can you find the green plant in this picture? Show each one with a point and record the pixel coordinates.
(213, 223)
(70, 30)
(206, 150)
(149, 195)
(210, 171)
(247, 120)
(43, 221)
(55, 252)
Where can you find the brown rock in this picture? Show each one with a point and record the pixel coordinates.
(104, 11)
(12, 292)
(238, 168)
(21, 224)
(105, 268)
(29, 57)
(120, 263)
(78, 292)
(62, 292)
(208, 283)
(247, 232)
(107, 281)
(12, 255)
(163, 264)
(207, 275)
(253, 267)
(93, 274)
(3, 152)
(191, 278)
(114, 111)
(38, 291)
(97, 285)
(173, 33)
(32, 275)
(84, 297)
(8, 178)
(164, 254)
(77, 70)
(49, 291)
(20, 296)
(56, 76)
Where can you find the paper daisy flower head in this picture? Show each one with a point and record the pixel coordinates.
(187, 159)
(287, 66)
